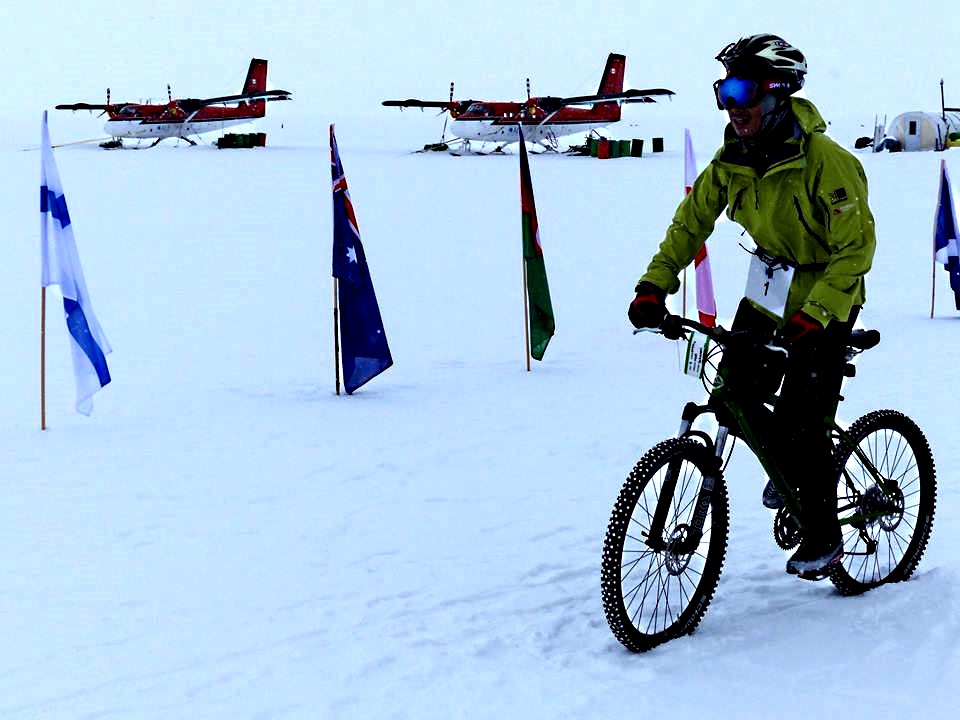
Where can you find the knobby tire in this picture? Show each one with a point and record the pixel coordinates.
(651, 597)
(900, 452)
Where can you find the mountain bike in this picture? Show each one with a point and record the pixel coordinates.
(667, 537)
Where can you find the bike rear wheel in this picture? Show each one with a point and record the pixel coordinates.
(651, 596)
(889, 531)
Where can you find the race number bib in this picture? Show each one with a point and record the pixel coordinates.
(768, 284)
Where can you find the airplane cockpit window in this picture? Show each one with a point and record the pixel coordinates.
(478, 109)
(128, 110)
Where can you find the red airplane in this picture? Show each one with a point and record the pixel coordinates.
(188, 116)
(544, 119)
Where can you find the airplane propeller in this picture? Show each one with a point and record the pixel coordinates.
(443, 132)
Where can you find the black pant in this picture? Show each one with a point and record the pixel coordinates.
(794, 432)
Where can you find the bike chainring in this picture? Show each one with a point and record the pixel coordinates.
(786, 530)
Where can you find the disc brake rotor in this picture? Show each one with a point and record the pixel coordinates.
(675, 560)
(888, 509)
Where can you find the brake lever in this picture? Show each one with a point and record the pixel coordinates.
(669, 330)
(672, 329)
(659, 331)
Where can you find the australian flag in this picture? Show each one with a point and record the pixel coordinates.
(946, 246)
(363, 342)
(60, 265)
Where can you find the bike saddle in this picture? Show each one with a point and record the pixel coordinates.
(864, 339)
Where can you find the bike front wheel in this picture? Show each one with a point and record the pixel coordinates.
(886, 526)
(657, 589)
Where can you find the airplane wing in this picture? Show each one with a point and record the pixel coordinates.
(454, 107)
(191, 105)
(625, 96)
(411, 102)
(267, 95)
(84, 106)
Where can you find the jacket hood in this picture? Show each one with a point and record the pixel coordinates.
(805, 113)
(807, 116)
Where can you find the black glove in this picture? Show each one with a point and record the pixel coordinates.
(648, 308)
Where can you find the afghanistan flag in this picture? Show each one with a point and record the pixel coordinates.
(542, 324)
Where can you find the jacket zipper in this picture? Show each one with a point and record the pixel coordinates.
(737, 201)
(803, 221)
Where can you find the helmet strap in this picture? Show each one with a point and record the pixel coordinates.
(774, 112)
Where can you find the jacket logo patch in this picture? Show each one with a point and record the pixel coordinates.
(838, 196)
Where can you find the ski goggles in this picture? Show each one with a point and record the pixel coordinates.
(735, 92)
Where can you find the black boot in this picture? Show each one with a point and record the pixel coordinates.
(814, 558)
(822, 543)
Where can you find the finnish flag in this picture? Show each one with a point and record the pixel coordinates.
(60, 265)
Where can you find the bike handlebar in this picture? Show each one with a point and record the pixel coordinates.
(673, 326)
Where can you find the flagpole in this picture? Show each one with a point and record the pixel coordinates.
(526, 317)
(933, 283)
(336, 336)
(933, 270)
(684, 312)
(43, 358)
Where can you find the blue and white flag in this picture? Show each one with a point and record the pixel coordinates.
(363, 342)
(945, 236)
(60, 265)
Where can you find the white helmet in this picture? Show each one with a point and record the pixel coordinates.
(765, 57)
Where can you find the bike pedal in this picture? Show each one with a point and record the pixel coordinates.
(821, 574)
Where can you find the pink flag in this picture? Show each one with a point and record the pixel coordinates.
(706, 304)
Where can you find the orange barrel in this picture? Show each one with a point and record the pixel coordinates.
(603, 149)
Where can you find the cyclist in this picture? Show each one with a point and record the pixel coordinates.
(803, 200)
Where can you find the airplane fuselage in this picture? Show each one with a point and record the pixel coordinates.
(498, 121)
(153, 129)
(490, 131)
(178, 118)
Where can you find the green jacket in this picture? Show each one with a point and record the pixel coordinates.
(810, 208)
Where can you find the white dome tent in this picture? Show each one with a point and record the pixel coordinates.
(922, 130)
(918, 130)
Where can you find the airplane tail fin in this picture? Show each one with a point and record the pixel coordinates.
(611, 82)
(256, 81)
(256, 76)
(612, 79)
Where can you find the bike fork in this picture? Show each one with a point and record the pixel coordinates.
(656, 540)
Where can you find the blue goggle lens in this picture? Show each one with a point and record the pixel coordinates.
(734, 92)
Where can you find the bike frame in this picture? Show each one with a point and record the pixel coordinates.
(726, 398)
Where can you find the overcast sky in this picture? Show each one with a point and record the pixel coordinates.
(865, 56)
